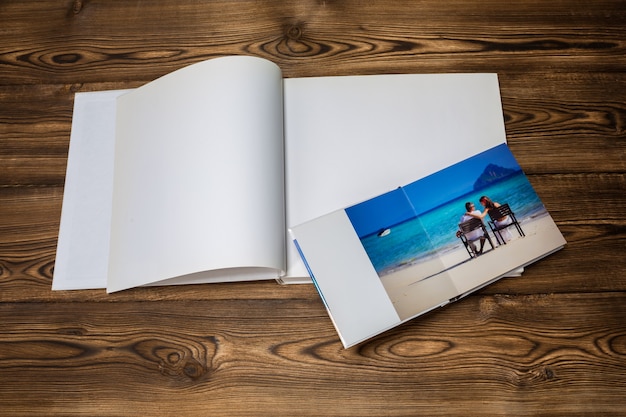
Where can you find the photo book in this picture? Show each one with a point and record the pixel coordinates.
(197, 176)
(420, 246)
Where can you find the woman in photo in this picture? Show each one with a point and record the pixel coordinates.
(488, 204)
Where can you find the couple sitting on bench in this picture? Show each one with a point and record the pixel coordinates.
(471, 227)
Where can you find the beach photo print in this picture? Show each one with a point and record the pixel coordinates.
(468, 224)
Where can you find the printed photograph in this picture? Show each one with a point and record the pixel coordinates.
(463, 217)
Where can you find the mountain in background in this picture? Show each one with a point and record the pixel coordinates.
(493, 173)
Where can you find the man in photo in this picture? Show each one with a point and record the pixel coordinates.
(474, 235)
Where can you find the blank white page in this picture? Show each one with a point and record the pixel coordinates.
(198, 178)
(83, 247)
(351, 138)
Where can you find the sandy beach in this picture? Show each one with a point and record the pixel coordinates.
(425, 285)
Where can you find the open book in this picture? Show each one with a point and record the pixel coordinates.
(425, 244)
(196, 176)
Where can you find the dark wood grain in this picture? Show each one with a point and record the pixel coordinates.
(490, 351)
(552, 342)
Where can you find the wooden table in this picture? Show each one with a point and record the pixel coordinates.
(552, 342)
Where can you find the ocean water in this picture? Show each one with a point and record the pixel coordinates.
(435, 231)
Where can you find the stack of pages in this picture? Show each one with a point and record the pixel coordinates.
(208, 173)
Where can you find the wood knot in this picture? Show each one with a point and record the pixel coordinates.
(77, 6)
(179, 359)
(64, 59)
(294, 32)
(193, 370)
(74, 88)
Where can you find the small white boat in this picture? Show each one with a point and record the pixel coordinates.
(384, 232)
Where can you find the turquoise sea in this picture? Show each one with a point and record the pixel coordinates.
(434, 231)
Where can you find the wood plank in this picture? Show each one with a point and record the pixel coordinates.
(106, 41)
(524, 354)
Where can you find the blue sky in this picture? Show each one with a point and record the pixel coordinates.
(425, 194)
